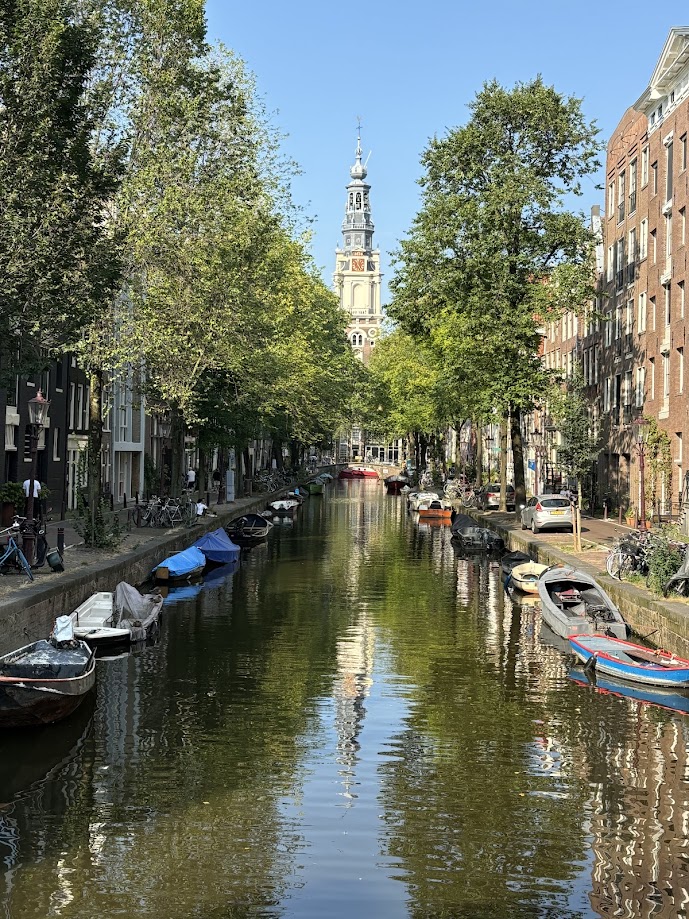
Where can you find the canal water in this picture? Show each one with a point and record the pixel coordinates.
(357, 722)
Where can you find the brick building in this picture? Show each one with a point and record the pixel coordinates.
(631, 342)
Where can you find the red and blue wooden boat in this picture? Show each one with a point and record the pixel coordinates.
(627, 661)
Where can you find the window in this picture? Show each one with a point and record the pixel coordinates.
(56, 445)
(611, 263)
(629, 318)
(627, 394)
(668, 171)
(606, 394)
(618, 321)
(683, 152)
(653, 377)
(72, 405)
(667, 304)
(654, 240)
(640, 374)
(608, 330)
(654, 178)
(620, 197)
(682, 225)
(641, 318)
(631, 256)
(680, 370)
(681, 299)
(644, 167)
(611, 199)
(666, 376)
(643, 239)
(58, 375)
(668, 235)
(80, 405)
(653, 313)
(619, 279)
(679, 447)
(632, 186)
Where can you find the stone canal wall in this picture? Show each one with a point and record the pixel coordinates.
(29, 612)
(665, 621)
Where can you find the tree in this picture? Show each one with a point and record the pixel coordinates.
(57, 258)
(493, 249)
(581, 443)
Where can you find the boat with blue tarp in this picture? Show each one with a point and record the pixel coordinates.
(182, 566)
(217, 547)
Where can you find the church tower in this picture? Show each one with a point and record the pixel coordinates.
(357, 278)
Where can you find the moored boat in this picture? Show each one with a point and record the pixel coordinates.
(415, 498)
(467, 535)
(182, 566)
(573, 603)
(46, 681)
(511, 559)
(395, 483)
(248, 530)
(314, 487)
(625, 660)
(435, 507)
(217, 547)
(358, 472)
(525, 577)
(107, 618)
(284, 507)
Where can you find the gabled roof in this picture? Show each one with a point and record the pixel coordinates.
(674, 56)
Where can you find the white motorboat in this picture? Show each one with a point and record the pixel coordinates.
(116, 618)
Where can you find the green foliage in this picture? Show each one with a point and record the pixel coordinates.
(98, 526)
(12, 493)
(581, 445)
(57, 256)
(658, 466)
(663, 562)
(151, 476)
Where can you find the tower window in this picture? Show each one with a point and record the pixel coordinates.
(358, 200)
(351, 200)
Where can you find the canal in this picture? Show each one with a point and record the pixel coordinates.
(357, 722)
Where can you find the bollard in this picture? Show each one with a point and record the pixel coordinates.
(208, 499)
(61, 540)
(124, 500)
(619, 514)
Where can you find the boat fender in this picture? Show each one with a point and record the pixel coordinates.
(591, 662)
(507, 580)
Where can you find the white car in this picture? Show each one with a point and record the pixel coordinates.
(554, 511)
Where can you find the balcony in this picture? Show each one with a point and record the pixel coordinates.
(632, 202)
(620, 212)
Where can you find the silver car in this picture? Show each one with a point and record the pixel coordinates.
(544, 511)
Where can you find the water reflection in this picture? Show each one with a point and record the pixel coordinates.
(356, 720)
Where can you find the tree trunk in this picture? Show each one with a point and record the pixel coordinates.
(517, 457)
(503, 461)
(201, 473)
(423, 451)
(479, 458)
(95, 447)
(177, 447)
(276, 451)
(576, 519)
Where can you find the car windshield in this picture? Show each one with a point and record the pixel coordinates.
(554, 502)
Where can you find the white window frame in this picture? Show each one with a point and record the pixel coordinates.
(641, 318)
(644, 167)
(643, 239)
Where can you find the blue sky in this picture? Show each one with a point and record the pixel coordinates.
(409, 70)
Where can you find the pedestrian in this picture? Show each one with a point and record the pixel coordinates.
(201, 508)
(36, 495)
(216, 478)
(191, 479)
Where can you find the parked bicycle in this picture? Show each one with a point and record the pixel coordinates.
(13, 560)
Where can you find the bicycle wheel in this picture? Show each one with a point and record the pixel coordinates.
(618, 564)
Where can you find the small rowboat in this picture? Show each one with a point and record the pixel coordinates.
(395, 483)
(45, 682)
(314, 487)
(525, 577)
(573, 603)
(114, 618)
(627, 661)
(435, 507)
(182, 566)
(285, 507)
(248, 530)
(217, 547)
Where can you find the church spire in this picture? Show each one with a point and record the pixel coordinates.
(357, 226)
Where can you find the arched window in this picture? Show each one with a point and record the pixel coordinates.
(351, 199)
(357, 339)
(358, 200)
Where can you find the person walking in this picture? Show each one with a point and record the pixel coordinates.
(191, 479)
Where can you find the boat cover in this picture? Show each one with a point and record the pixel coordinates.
(134, 611)
(183, 563)
(217, 547)
(43, 661)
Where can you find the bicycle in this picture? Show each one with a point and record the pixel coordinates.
(13, 560)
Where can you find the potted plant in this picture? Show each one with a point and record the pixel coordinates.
(630, 516)
(12, 499)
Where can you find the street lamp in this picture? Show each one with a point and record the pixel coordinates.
(641, 428)
(38, 411)
(164, 427)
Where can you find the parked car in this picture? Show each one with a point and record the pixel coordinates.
(489, 497)
(543, 511)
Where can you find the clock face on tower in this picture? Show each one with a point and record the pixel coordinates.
(358, 264)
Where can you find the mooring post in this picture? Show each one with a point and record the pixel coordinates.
(61, 540)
